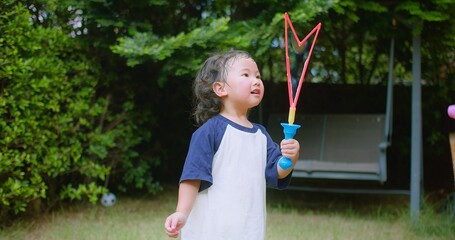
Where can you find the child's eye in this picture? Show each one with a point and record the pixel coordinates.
(245, 74)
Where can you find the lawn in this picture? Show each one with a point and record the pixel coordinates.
(291, 215)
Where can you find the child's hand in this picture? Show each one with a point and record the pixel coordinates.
(174, 223)
(290, 148)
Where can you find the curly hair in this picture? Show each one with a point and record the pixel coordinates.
(214, 69)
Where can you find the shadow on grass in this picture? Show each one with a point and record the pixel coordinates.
(357, 205)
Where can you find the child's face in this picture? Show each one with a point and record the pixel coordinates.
(243, 84)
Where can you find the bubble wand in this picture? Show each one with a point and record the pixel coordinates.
(290, 128)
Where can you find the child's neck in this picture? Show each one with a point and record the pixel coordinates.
(239, 118)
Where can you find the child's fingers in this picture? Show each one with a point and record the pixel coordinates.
(170, 226)
(288, 143)
(171, 232)
(174, 224)
(174, 233)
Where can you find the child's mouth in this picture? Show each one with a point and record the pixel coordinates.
(257, 91)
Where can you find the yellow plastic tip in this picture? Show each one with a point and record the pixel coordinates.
(291, 116)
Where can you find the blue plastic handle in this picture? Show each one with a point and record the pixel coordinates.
(289, 131)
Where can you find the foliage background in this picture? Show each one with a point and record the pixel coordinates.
(95, 94)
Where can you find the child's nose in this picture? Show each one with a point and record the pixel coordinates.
(256, 81)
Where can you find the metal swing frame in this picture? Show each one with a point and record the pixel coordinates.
(343, 146)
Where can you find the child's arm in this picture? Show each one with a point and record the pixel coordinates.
(187, 194)
(289, 148)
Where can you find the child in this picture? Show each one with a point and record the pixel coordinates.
(230, 160)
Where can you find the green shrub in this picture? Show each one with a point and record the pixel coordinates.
(58, 139)
(46, 109)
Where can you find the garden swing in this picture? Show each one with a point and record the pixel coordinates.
(343, 146)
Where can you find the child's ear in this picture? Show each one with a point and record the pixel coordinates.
(218, 89)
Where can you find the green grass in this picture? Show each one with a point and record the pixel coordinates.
(303, 215)
(291, 215)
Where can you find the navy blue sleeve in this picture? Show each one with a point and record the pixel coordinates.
(198, 162)
(271, 172)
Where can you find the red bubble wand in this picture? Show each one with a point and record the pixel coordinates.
(290, 128)
(293, 99)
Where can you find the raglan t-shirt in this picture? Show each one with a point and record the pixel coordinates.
(234, 164)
